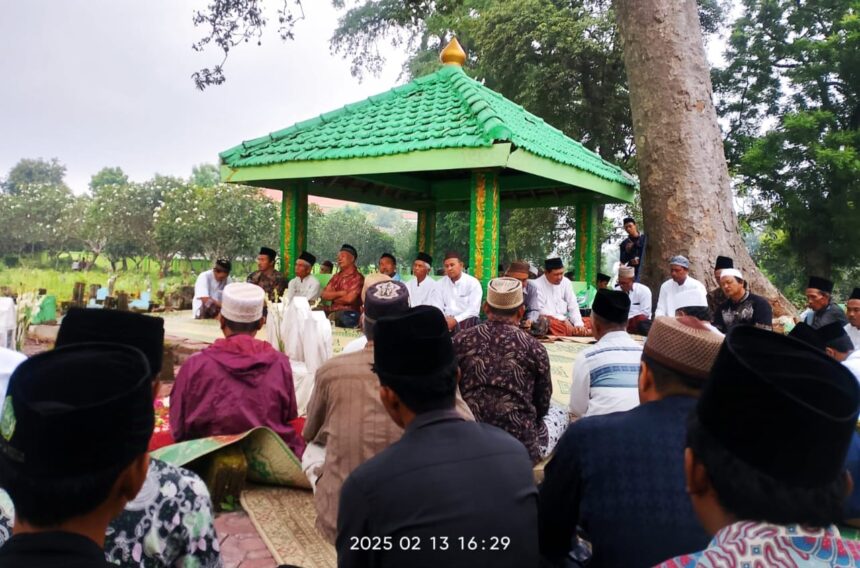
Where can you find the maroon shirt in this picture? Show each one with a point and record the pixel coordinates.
(346, 282)
(236, 384)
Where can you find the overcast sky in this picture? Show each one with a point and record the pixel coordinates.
(99, 83)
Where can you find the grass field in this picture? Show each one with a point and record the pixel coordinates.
(33, 273)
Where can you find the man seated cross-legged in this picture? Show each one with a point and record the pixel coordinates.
(449, 492)
(765, 457)
(237, 383)
(170, 521)
(558, 302)
(74, 432)
(347, 424)
(605, 374)
(620, 476)
(505, 375)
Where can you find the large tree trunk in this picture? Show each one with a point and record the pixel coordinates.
(686, 194)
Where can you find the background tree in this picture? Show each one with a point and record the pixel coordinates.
(686, 193)
(328, 232)
(205, 175)
(235, 221)
(29, 172)
(791, 95)
(107, 176)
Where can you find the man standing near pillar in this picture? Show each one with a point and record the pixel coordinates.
(423, 289)
(633, 247)
(304, 284)
(344, 290)
(266, 277)
(460, 295)
(560, 306)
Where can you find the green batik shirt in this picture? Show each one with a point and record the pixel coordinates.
(169, 523)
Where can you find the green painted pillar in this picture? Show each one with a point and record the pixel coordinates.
(426, 235)
(484, 225)
(585, 257)
(294, 225)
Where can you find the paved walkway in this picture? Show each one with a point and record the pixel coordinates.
(241, 545)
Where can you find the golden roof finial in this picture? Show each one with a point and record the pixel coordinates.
(453, 53)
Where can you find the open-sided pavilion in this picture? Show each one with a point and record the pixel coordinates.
(442, 142)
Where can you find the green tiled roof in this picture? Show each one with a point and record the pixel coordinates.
(446, 109)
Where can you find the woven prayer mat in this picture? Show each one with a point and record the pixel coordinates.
(562, 357)
(270, 460)
(285, 520)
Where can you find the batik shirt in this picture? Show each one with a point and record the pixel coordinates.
(750, 310)
(169, 523)
(352, 281)
(753, 544)
(272, 282)
(506, 380)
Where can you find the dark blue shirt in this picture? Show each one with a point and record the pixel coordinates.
(461, 492)
(620, 477)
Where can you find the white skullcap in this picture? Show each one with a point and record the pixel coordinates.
(242, 302)
(626, 272)
(690, 298)
(731, 272)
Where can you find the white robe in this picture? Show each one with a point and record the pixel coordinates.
(674, 296)
(425, 294)
(308, 288)
(207, 286)
(559, 301)
(460, 300)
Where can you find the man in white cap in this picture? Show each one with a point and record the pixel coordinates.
(237, 383)
(680, 290)
(639, 318)
(741, 306)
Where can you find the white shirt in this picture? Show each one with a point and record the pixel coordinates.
(460, 300)
(640, 300)
(355, 345)
(558, 300)
(853, 363)
(853, 335)
(424, 294)
(207, 287)
(9, 360)
(606, 376)
(308, 288)
(674, 296)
